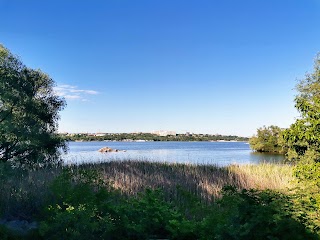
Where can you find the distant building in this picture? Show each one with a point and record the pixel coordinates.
(164, 133)
(100, 134)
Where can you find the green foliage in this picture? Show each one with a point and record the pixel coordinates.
(28, 113)
(253, 214)
(309, 173)
(303, 136)
(86, 207)
(307, 194)
(152, 137)
(148, 216)
(76, 210)
(303, 142)
(82, 205)
(268, 139)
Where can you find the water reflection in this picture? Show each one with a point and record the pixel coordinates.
(256, 157)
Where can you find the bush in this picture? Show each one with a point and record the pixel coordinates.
(253, 214)
(84, 206)
(76, 209)
(268, 139)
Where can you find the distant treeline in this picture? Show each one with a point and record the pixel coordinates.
(152, 137)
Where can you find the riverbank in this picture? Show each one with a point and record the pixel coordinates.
(145, 200)
(24, 192)
(141, 140)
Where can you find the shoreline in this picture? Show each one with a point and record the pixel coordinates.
(127, 140)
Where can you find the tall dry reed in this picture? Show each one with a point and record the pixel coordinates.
(24, 193)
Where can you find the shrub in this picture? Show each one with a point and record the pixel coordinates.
(253, 214)
(76, 209)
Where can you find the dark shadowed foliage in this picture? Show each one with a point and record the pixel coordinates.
(28, 114)
(255, 214)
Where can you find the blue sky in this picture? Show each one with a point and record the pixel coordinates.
(224, 67)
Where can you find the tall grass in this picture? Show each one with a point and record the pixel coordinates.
(23, 193)
(205, 181)
(264, 176)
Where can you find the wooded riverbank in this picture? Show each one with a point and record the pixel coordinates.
(184, 196)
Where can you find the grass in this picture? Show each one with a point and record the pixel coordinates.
(24, 193)
(264, 176)
(205, 181)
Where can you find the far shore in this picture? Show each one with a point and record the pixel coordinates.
(130, 140)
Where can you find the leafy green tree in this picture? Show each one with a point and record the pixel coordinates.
(303, 136)
(268, 139)
(303, 141)
(28, 114)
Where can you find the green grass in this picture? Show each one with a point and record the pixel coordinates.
(264, 176)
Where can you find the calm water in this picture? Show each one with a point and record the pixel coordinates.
(219, 153)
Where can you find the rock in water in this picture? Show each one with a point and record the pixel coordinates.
(107, 149)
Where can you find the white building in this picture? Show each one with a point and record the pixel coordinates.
(164, 133)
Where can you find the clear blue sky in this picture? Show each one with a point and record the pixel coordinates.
(224, 67)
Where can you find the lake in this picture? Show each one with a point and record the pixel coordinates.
(218, 153)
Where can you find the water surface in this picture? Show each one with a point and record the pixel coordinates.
(219, 153)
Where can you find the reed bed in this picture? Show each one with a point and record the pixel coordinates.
(264, 176)
(205, 181)
(23, 193)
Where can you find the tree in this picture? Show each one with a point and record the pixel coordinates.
(28, 114)
(303, 141)
(303, 136)
(268, 139)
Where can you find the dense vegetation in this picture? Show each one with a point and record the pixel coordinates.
(28, 114)
(301, 141)
(115, 201)
(152, 137)
(268, 139)
(303, 136)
